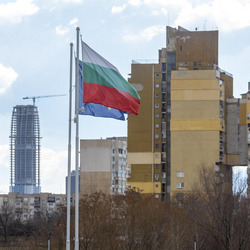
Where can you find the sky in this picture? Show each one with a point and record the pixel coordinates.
(35, 37)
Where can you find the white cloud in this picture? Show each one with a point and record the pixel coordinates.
(61, 30)
(68, 1)
(145, 35)
(118, 9)
(73, 21)
(73, 1)
(5, 168)
(4, 155)
(226, 15)
(16, 11)
(135, 2)
(7, 77)
(54, 165)
(162, 11)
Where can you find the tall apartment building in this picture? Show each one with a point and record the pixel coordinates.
(103, 165)
(182, 123)
(25, 150)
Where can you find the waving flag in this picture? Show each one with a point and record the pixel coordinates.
(103, 84)
(93, 109)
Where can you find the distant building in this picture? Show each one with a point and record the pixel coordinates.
(103, 165)
(72, 182)
(25, 150)
(27, 206)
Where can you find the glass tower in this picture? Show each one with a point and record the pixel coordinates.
(25, 150)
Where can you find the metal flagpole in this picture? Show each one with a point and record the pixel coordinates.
(77, 143)
(69, 152)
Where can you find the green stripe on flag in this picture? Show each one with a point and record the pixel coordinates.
(94, 73)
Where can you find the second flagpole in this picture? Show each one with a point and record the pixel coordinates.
(77, 143)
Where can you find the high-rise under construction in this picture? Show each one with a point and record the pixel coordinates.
(25, 150)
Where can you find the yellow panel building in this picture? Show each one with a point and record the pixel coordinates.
(182, 124)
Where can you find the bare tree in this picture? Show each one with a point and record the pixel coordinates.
(219, 214)
(6, 218)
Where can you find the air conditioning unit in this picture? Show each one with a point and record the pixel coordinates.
(163, 175)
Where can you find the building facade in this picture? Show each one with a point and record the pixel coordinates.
(182, 124)
(27, 206)
(25, 150)
(103, 165)
(72, 182)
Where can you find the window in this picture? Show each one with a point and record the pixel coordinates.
(199, 63)
(195, 63)
(180, 185)
(157, 75)
(156, 136)
(185, 64)
(156, 95)
(157, 85)
(221, 93)
(156, 185)
(181, 63)
(180, 174)
(157, 125)
(163, 77)
(163, 67)
(156, 177)
(157, 105)
(157, 115)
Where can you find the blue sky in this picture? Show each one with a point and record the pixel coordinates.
(34, 59)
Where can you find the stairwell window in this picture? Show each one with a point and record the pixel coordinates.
(180, 185)
(180, 174)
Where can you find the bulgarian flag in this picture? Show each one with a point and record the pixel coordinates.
(103, 84)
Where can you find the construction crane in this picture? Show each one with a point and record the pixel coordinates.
(43, 96)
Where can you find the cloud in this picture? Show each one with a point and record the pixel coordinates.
(5, 168)
(73, 21)
(162, 11)
(135, 2)
(7, 77)
(118, 9)
(54, 165)
(73, 1)
(68, 1)
(145, 35)
(15, 11)
(4, 155)
(62, 30)
(222, 14)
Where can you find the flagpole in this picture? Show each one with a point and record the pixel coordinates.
(69, 152)
(77, 144)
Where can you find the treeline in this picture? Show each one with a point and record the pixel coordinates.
(210, 217)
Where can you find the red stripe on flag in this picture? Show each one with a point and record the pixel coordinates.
(110, 97)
